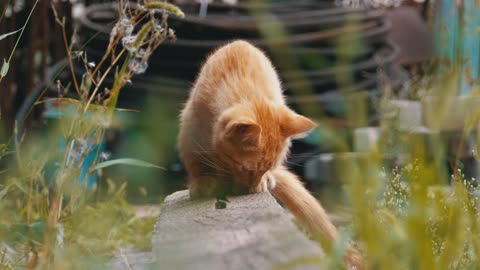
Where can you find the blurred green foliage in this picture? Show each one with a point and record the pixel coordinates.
(50, 216)
(415, 216)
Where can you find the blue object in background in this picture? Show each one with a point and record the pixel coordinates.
(470, 45)
(86, 150)
(446, 29)
(457, 39)
(91, 150)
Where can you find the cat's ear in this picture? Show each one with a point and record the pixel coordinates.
(295, 125)
(245, 133)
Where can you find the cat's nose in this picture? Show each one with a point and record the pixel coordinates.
(251, 176)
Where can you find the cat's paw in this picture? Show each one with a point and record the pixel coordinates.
(271, 181)
(267, 183)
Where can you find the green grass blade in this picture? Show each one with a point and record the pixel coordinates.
(3, 192)
(4, 69)
(9, 34)
(125, 161)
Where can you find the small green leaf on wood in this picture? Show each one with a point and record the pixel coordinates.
(10, 33)
(4, 69)
(221, 202)
(125, 161)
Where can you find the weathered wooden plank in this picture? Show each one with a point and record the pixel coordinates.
(252, 232)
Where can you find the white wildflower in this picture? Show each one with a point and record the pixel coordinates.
(105, 156)
(137, 65)
(124, 26)
(127, 42)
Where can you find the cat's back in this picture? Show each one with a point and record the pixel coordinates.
(235, 73)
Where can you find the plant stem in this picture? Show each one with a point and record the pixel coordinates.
(102, 79)
(117, 85)
(70, 62)
(105, 56)
(4, 10)
(21, 33)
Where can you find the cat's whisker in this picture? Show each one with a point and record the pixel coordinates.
(205, 158)
(213, 166)
(207, 161)
(303, 155)
(296, 164)
(210, 163)
(217, 175)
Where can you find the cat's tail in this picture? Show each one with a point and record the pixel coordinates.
(291, 192)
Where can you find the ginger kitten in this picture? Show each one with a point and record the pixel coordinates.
(235, 133)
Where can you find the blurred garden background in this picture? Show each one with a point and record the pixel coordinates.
(90, 92)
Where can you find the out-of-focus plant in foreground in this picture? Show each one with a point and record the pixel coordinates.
(48, 217)
(423, 213)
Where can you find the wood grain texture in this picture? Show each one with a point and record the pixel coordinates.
(252, 232)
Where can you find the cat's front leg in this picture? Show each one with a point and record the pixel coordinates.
(267, 183)
(203, 181)
(202, 187)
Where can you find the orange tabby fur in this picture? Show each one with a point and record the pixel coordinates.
(235, 133)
